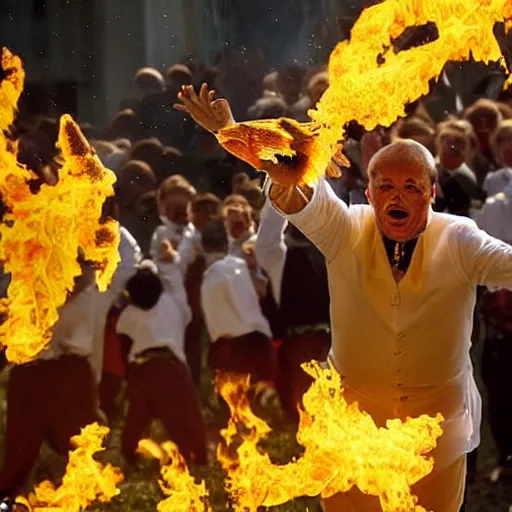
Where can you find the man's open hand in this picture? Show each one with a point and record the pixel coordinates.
(206, 111)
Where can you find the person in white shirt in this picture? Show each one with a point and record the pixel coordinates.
(240, 334)
(160, 386)
(52, 397)
(205, 207)
(237, 215)
(175, 198)
(497, 181)
(240, 228)
(496, 310)
(395, 268)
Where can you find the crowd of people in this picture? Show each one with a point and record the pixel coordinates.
(212, 279)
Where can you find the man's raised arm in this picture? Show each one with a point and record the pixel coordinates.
(315, 210)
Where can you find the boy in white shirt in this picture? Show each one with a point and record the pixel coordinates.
(175, 199)
(52, 397)
(237, 215)
(239, 223)
(159, 383)
(240, 334)
(175, 205)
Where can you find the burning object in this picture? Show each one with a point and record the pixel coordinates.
(42, 233)
(371, 82)
(183, 493)
(343, 448)
(86, 480)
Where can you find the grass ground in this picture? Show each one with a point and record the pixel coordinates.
(140, 491)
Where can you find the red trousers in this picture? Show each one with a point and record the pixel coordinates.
(251, 354)
(193, 347)
(46, 400)
(109, 392)
(194, 331)
(293, 380)
(162, 388)
(114, 368)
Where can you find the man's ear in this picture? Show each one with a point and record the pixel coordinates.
(368, 195)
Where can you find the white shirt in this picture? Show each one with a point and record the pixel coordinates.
(229, 301)
(186, 240)
(495, 217)
(496, 181)
(131, 256)
(403, 349)
(189, 249)
(236, 244)
(73, 333)
(270, 248)
(163, 325)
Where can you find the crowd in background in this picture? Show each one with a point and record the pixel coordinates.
(213, 280)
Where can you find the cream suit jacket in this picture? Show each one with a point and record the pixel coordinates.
(403, 349)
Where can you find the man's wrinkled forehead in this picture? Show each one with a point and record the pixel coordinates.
(402, 173)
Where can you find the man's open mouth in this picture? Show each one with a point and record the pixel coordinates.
(398, 214)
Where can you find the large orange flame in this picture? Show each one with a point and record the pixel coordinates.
(343, 448)
(370, 83)
(42, 232)
(183, 493)
(86, 481)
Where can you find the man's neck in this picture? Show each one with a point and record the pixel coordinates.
(399, 253)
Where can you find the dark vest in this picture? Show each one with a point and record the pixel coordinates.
(304, 288)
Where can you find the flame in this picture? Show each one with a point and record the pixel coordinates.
(42, 233)
(370, 83)
(182, 491)
(343, 448)
(86, 481)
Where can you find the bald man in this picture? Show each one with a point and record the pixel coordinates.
(402, 282)
(403, 288)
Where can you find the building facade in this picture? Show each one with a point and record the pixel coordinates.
(80, 55)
